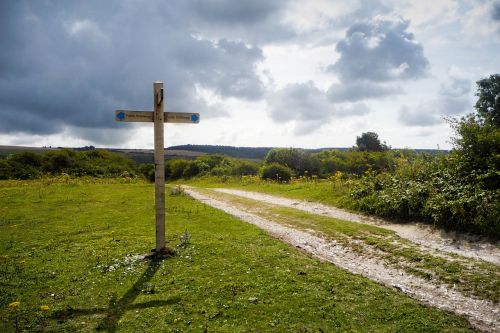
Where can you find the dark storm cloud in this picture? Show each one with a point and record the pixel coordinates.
(495, 14)
(453, 100)
(374, 55)
(380, 50)
(70, 64)
(256, 21)
(236, 12)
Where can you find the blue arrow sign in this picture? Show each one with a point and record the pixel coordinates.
(120, 115)
(195, 118)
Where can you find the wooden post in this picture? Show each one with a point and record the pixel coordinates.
(159, 118)
(159, 166)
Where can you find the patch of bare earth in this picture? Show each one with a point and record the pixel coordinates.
(483, 314)
(423, 235)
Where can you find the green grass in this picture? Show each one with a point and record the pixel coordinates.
(71, 246)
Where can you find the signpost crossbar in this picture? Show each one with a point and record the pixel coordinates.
(148, 117)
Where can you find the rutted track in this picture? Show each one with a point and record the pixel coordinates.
(422, 235)
(483, 314)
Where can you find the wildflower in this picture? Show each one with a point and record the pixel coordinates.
(14, 305)
(44, 308)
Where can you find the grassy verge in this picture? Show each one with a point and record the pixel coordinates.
(72, 248)
(472, 277)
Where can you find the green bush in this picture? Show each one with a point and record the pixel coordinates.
(431, 192)
(177, 168)
(5, 169)
(477, 149)
(299, 161)
(192, 169)
(245, 168)
(276, 172)
(148, 171)
(355, 162)
(58, 161)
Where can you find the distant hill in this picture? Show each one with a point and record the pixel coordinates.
(184, 151)
(257, 153)
(254, 153)
(147, 155)
(9, 150)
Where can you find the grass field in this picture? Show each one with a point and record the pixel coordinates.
(70, 262)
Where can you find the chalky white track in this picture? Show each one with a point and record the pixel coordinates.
(482, 314)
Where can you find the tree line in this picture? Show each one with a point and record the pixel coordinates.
(91, 162)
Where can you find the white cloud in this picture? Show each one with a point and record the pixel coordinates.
(481, 21)
(430, 14)
(452, 100)
(84, 28)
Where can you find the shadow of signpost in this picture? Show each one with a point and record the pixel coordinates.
(117, 308)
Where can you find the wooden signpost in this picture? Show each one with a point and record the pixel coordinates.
(159, 117)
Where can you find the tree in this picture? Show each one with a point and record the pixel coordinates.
(488, 104)
(369, 141)
(477, 144)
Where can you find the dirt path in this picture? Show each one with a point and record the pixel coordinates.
(422, 235)
(483, 314)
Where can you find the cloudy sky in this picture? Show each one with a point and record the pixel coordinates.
(290, 73)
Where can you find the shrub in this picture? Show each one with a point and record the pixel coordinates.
(433, 192)
(192, 169)
(298, 160)
(276, 172)
(177, 168)
(212, 161)
(245, 168)
(27, 159)
(354, 162)
(148, 171)
(59, 161)
(5, 169)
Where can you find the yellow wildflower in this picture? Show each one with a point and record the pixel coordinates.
(44, 308)
(14, 305)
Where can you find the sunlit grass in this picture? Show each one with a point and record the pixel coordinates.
(73, 248)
